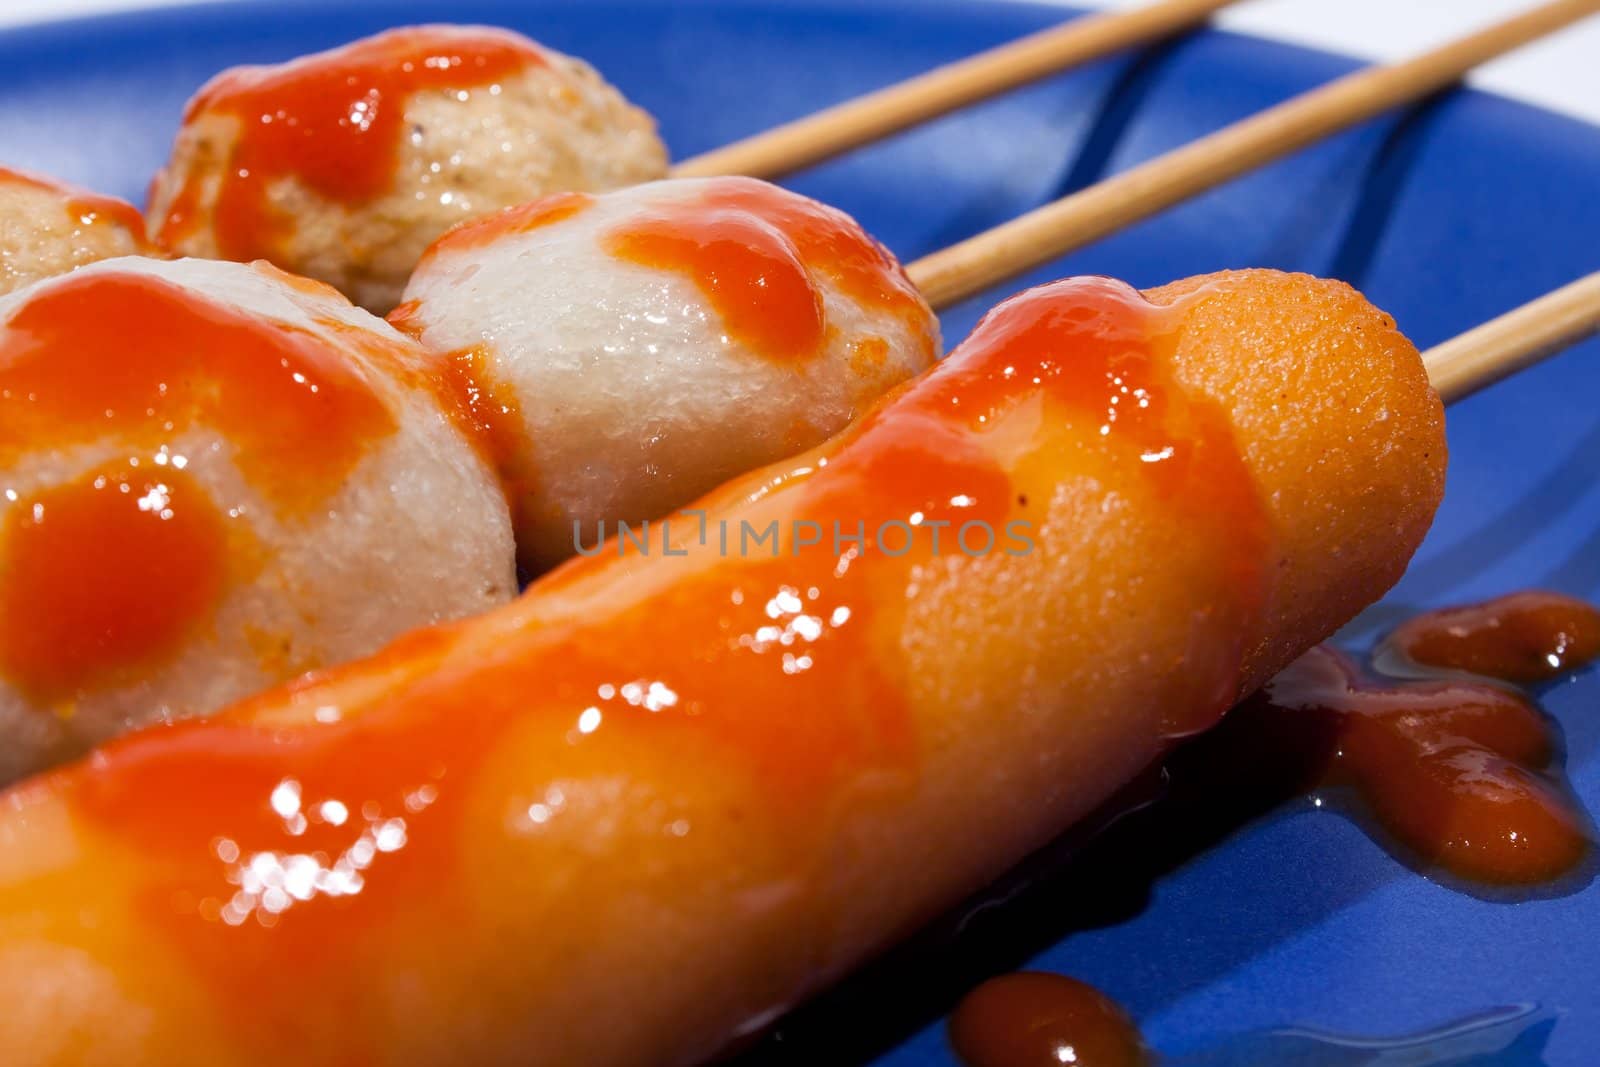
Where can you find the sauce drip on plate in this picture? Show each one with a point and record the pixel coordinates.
(1036, 1019)
(1039, 1019)
(333, 122)
(1456, 770)
(1525, 637)
(1453, 768)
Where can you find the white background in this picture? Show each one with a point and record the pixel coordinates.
(1563, 73)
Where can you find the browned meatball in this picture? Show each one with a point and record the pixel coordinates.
(49, 227)
(345, 165)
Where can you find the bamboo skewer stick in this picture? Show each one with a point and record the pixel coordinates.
(1069, 223)
(1499, 348)
(856, 122)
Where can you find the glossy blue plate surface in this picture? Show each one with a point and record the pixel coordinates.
(1445, 216)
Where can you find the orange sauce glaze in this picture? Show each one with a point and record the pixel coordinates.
(83, 207)
(781, 671)
(1036, 1019)
(104, 576)
(492, 418)
(522, 218)
(753, 248)
(1106, 354)
(484, 408)
(749, 270)
(139, 359)
(95, 590)
(1525, 637)
(332, 121)
(1452, 768)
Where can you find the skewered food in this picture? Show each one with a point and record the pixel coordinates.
(482, 844)
(49, 227)
(174, 625)
(634, 349)
(213, 477)
(345, 165)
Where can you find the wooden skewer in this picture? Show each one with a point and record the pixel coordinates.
(1499, 348)
(1074, 221)
(856, 122)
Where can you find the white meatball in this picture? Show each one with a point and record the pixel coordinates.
(48, 228)
(346, 165)
(633, 350)
(215, 476)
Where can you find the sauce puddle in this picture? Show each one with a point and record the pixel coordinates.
(1453, 769)
(1034, 1019)
(1456, 772)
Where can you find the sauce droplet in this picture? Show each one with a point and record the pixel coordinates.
(333, 122)
(1035, 1019)
(1525, 637)
(104, 578)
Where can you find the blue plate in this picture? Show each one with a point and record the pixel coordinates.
(1445, 215)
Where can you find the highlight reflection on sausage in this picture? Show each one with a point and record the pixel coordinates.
(662, 797)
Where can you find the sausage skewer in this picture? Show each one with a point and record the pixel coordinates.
(1498, 349)
(755, 769)
(485, 840)
(671, 791)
